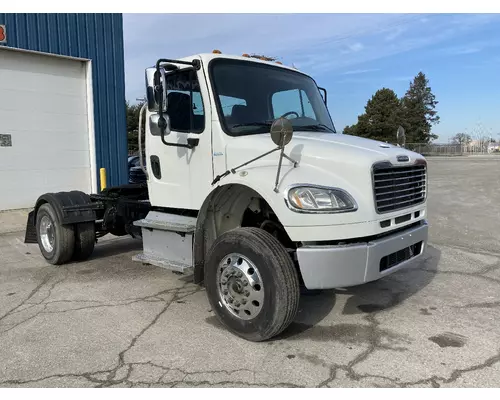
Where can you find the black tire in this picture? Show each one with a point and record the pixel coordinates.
(279, 277)
(84, 241)
(64, 237)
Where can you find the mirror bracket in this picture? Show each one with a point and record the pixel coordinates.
(325, 95)
(281, 134)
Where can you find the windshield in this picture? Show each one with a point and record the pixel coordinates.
(250, 96)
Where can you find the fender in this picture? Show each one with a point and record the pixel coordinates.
(200, 234)
(70, 207)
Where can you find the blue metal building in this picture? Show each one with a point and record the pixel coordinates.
(99, 38)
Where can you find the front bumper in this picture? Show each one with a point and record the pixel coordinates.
(328, 267)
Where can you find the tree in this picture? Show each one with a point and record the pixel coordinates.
(132, 113)
(462, 139)
(419, 111)
(381, 118)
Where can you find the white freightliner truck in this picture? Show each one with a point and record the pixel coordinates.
(251, 190)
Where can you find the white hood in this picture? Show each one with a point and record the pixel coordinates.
(321, 150)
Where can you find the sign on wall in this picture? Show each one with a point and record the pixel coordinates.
(5, 140)
(3, 34)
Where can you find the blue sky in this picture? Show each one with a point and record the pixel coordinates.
(351, 55)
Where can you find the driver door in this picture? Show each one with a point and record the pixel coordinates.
(175, 170)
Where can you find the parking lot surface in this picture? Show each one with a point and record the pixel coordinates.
(114, 322)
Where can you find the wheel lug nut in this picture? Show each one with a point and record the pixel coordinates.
(237, 304)
(225, 292)
(245, 283)
(230, 300)
(247, 293)
(243, 301)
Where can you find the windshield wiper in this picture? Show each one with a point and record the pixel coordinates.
(322, 127)
(253, 124)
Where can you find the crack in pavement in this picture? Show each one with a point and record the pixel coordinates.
(461, 273)
(42, 302)
(122, 372)
(375, 336)
(121, 355)
(486, 304)
(456, 373)
(30, 295)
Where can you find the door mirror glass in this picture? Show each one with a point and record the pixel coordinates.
(156, 89)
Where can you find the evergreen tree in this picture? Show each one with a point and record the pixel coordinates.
(418, 109)
(132, 113)
(381, 118)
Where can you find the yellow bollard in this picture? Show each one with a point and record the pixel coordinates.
(103, 178)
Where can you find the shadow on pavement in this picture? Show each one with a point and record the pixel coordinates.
(384, 294)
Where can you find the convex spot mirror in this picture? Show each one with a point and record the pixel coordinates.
(281, 131)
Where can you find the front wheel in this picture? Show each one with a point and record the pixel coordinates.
(252, 283)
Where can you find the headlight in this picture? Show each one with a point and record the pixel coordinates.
(320, 199)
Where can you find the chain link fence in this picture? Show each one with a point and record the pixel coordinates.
(435, 149)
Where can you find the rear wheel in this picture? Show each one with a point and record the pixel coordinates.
(56, 241)
(84, 241)
(252, 283)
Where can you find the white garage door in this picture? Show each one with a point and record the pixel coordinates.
(44, 127)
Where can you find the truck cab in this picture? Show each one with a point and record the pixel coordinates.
(251, 189)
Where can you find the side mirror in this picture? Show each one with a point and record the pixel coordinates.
(281, 132)
(156, 83)
(155, 88)
(401, 137)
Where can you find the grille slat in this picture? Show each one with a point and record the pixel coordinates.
(391, 196)
(399, 184)
(396, 188)
(400, 172)
(420, 176)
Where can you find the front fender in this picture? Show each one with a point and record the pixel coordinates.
(201, 237)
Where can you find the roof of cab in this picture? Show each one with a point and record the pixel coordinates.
(207, 57)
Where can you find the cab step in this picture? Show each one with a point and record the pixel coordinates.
(167, 241)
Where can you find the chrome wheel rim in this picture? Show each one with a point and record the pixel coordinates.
(47, 236)
(240, 286)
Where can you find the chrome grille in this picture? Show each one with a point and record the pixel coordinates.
(397, 188)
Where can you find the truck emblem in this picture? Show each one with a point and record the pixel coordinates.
(402, 158)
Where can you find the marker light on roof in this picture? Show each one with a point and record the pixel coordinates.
(216, 52)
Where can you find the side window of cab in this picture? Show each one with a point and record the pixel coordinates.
(185, 103)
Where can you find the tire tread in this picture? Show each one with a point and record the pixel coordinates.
(259, 239)
(84, 241)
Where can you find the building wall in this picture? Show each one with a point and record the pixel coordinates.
(98, 37)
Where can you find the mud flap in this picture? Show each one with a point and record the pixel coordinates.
(30, 235)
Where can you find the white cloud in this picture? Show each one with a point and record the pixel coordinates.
(313, 42)
(356, 47)
(360, 71)
(395, 33)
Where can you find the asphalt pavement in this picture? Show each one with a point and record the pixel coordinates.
(114, 322)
